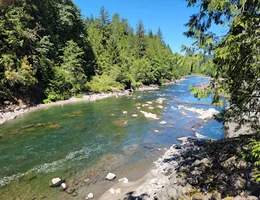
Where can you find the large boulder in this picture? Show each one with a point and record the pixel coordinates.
(56, 182)
(110, 176)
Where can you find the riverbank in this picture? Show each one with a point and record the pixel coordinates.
(197, 169)
(13, 111)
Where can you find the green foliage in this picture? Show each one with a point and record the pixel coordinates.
(103, 83)
(79, 96)
(255, 154)
(45, 101)
(236, 56)
(143, 71)
(200, 92)
(69, 77)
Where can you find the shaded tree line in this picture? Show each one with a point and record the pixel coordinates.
(48, 51)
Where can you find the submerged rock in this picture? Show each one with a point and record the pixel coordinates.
(70, 190)
(130, 149)
(121, 123)
(74, 194)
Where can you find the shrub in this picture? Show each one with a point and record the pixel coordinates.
(79, 96)
(103, 83)
(45, 101)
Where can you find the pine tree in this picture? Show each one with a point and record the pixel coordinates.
(140, 39)
(69, 78)
(159, 34)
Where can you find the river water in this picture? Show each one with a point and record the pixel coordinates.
(81, 142)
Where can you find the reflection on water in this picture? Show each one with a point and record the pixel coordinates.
(82, 138)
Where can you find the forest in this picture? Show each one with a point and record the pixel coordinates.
(49, 53)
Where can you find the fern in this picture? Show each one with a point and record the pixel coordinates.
(255, 154)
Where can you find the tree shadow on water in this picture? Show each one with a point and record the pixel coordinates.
(130, 196)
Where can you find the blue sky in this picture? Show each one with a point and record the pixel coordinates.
(169, 15)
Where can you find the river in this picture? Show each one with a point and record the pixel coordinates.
(82, 142)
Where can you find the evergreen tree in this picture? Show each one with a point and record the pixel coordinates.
(69, 77)
(140, 40)
(103, 20)
(159, 34)
(150, 33)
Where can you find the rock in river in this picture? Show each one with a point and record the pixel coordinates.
(163, 122)
(118, 191)
(64, 186)
(123, 180)
(149, 115)
(112, 191)
(110, 176)
(55, 182)
(90, 196)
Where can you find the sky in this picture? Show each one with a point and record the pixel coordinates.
(169, 15)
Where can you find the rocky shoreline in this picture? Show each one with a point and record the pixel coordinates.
(11, 112)
(198, 170)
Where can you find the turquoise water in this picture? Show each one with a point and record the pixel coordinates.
(83, 139)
